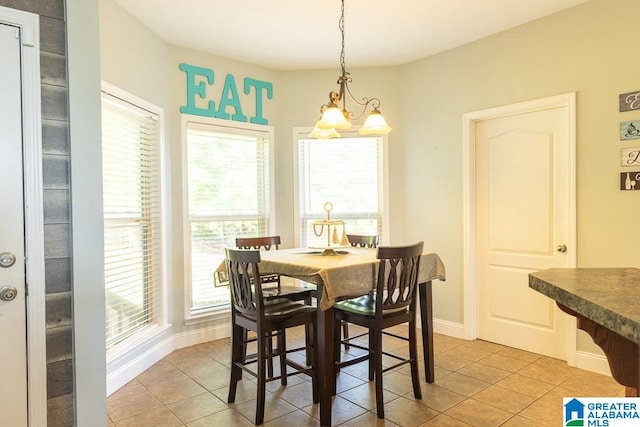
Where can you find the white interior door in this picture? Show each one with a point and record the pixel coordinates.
(13, 335)
(523, 224)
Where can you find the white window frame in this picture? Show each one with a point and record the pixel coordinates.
(303, 133)
(120, 351)
(223, 126)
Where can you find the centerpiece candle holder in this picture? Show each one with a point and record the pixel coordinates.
(331, 226)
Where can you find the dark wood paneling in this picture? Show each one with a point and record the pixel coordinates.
(57, 273)
(58, 309)
(60, 411)
(59, 343)
(53, 69)
(57, 239)
(54, 102)
(55, 137)
(52, 36)
(55, 171)
(56, 207)
(59, 378)
(50, 8)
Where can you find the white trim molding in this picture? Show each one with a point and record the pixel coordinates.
(469, 208)
(118, 377)
(593, 362)
(34, 217)
(451, 329)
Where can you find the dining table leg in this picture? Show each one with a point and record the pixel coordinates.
(426, 319)
(325, 364)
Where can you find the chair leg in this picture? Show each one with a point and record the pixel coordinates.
(262, 356)
(377, 357)
(237, 356)
(345, 334)
(270, 360)
(315, 379)
(282, 353)
(336, 354)
(243, 347)
(413, 354)
(371, 347)
(308, 331)
(308, 339)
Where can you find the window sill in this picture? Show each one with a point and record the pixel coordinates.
(136, 342)
(195, 317)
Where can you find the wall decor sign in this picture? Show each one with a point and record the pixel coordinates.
(630, 130)
(630, 156)
(630, 101)
(629, 181)
(199, 102)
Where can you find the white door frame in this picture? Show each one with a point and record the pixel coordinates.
(469, 204)
(34, 217)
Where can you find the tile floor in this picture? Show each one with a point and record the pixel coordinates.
(478, 383)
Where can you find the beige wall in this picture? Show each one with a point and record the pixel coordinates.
(134, 59)
(585, 49)
(589, 49)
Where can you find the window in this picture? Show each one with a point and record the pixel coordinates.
(349, 172)
(132, 202)
(227, 195)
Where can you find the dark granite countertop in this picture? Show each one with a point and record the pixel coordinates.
(608, 296)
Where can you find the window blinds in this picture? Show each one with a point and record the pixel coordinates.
(346, 172)
(228, 196)
(132, 218)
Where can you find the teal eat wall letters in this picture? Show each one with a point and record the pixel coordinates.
(200, 78)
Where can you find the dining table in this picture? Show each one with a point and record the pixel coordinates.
(347, 272)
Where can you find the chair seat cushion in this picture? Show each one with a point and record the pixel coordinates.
(283, 307)
(365, 306)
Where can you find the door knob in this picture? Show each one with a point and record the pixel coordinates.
(562, 248)
(8, 293)
(7, 259)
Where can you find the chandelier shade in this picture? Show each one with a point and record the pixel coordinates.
(335, 114)
(333, 118)
(375, 124)
(318, 133)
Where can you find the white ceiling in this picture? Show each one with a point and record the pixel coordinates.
(304, 34)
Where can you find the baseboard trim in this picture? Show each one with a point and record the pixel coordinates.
(593, 362)
(451, 329)
(155, 353)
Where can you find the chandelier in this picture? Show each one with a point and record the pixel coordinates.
(335, 116)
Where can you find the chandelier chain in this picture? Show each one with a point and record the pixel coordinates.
(341, 27)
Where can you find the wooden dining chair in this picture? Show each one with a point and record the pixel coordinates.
(272, 286)
(358, 241)
(268, 318)
(393, 303)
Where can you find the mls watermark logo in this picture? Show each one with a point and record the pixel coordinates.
(601, 411)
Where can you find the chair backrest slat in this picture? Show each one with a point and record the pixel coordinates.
(243, 272)
(363, 241)
(263, 242)
(397, 276)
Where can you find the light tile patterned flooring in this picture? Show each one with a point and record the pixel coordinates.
(478, 383)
